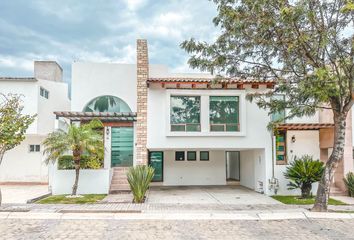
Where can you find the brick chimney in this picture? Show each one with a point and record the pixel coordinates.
(141, 125)
(48, 70)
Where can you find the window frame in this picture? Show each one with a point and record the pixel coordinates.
(200, 156)
(204, 114)
(284, 161)
(195, 156)
(36, 148)
(184, 156)
(185, 125)
(225, 125)
(43, 92)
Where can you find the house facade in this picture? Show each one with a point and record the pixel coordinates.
(192, 129)
(41, 95)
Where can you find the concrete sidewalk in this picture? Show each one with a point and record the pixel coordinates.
(177, 216)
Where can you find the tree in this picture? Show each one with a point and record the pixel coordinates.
(305, 46)
(302, 172)
(79, 140)
(13, 124)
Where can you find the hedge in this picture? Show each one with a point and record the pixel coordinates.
(87, 162)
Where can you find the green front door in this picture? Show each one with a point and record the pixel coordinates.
(122, 146)
(156, 161)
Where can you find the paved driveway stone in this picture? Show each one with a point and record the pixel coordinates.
(166, 229)
(208, 195)
(22, 193)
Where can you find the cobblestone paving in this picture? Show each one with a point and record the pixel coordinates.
(160, 229)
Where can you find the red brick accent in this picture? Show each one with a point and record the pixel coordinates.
(141, 124)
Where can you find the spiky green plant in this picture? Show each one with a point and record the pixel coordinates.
(139, 178)
(78, 140)
(349, 182)
(302, 172)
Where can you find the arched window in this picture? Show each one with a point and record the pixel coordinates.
(107, 103)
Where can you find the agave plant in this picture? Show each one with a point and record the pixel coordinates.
(139, 178)
(302, 173)
(349, 182)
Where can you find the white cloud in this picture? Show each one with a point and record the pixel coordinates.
(134, 5)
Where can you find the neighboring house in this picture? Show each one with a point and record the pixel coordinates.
(41, 95)
(191, 129)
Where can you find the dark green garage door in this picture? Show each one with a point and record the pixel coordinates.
(122, 146)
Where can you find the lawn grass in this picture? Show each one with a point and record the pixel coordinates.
(301, 201)
(62, 199)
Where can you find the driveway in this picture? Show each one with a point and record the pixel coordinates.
(22, 193)
(207, 195)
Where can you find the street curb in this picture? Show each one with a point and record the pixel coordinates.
(175, 216)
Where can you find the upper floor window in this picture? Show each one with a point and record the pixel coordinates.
(278, 116)
(34, 148)
(185, 114)
(44, 93)
(224, 113)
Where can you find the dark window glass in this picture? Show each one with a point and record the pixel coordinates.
(38, 148)
(185, 114)
(31, 148)
(224, 113)
(179, 156)
(191, 156)
(204, 156)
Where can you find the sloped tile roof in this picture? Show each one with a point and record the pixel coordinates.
(207, 80)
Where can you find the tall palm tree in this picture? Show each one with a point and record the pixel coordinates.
(78, 140)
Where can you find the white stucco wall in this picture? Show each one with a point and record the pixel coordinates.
(30, 94)
(212, 172)
(58, 101)
(253, 124)
(90, 181)
(20, 165)
(307, 142)
(90, 80)
(253, 169)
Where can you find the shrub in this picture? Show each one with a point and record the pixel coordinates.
(66, 162)
(302, 173)
(349, 182)
(139, 178)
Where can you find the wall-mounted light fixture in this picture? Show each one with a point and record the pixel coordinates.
(107, 132)
(293, 139)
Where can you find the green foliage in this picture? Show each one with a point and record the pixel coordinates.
(302, 173)
(303, 201)
(349, 182)
(306, 47)
(86, 139)
(13, 124)
(63, 199)
(139, 178)
(66, 162)
(78, 140)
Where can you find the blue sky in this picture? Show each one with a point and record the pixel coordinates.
(98, 31)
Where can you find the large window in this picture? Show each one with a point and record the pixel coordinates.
(278, 116)
(224, 113)
(280, 145)
(185, 114)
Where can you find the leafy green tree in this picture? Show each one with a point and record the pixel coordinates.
(13, 123)
(78, 140)
(302, 172)
(305, 46)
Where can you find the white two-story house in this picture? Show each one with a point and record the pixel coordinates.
(192, 129)
(41, 95)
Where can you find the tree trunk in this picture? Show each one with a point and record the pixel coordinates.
(76, 159)
(331, 165)
(306, 190)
